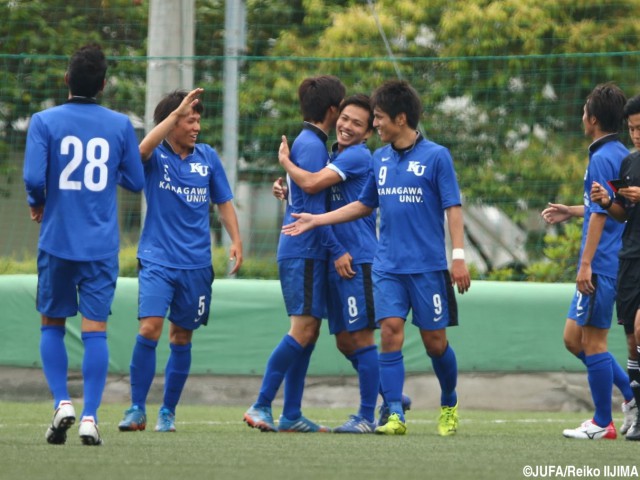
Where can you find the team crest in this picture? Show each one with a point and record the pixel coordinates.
(203, 170)
(416, 168)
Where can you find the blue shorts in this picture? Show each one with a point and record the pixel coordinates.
(350, 302)
(68, 286)
(187, 293)
(304, 286)
(595, 310)
(429, 296)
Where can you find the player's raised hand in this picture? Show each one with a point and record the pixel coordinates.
(304, 223)
(283, 151)
(190, 101)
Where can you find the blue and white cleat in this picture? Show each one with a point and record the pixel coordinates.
(300, 425)
(166, 421)
(134, 419)
(260, 418)
(356, 424)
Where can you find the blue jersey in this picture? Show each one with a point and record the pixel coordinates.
(309, 152)
(412, 189)
(605, 158)
(353, 165)
(76, 155)
(176, 230)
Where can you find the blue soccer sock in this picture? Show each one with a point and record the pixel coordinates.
(446, 369)
(600, 376)
(95, 366)
(55, 362)
(282, 357)
(176, 374)
(142, 370)
(620, 377)
(392, 380)
(294, 384)
(369, 380)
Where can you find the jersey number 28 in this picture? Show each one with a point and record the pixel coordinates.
(97, 154)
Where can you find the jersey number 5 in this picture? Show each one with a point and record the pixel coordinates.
(97, 154)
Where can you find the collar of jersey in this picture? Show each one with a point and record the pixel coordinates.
(318, 131)
(410, 147)
(79, 99)
(612, 137)
(168, 146)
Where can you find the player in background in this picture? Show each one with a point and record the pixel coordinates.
(76, 155)
(590, 313)
(623, 208)
(183, 178)
(413, 183)
(302, 266)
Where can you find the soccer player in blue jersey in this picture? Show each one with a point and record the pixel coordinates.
(182, 179)
(302, 264)
(350, 292)
(590, 313)
(623, 208)
(76, 155)
(413, 184)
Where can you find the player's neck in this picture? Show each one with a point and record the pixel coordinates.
(405, 139)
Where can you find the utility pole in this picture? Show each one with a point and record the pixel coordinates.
(170, 50)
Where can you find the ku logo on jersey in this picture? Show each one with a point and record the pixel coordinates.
(203, 170)
(416, 168)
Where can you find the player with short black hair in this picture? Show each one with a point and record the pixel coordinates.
(591, 311)
(175, 275)
(76, 155)
(302, 266)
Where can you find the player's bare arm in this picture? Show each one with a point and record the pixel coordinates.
(558, 213)
(160, 131)
(585, 273)
(459, 272)
(229, 220)
(307, 221)
(309, 182)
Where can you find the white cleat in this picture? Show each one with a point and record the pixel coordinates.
(63, 418)
(89, 433)
(629, 409)
(589, 430)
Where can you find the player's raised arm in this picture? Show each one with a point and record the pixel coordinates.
(160, 131)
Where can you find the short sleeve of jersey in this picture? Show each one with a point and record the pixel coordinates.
(447, 181)
(219, 183)
(601, 170)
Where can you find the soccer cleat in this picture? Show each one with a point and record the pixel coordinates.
(89, 433)
(448, 420)
(300, 425)
(394, 426)
(63, 418)
(634, 431)
(260, 418)
(384, 411)
(589, 430)
(166, 421)
(134, 419)
(356, 424)
(629, 409)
